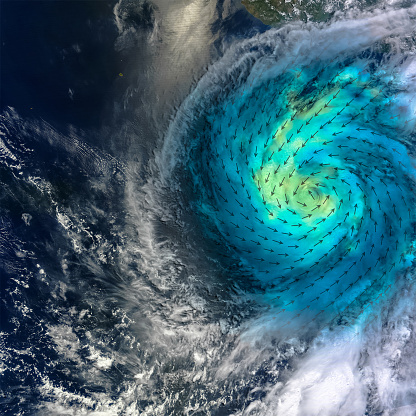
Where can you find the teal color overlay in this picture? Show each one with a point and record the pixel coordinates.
(303, 176)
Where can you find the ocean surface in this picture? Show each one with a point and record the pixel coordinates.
(204, 215)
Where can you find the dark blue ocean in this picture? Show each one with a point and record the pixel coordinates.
(137, 143)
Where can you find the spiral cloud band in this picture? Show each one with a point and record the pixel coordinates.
(300, 169)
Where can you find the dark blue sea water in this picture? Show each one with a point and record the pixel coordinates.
(127, 285)
(50, 48)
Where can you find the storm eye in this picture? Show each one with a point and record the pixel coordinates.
(302, 178)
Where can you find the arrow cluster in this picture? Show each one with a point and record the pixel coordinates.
(305, 183)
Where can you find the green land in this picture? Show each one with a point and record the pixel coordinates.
(273, 12)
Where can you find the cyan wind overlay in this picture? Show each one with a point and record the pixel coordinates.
(301, 172)
(201, 215)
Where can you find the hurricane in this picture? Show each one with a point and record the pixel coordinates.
(299, 167)
(219, 216)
